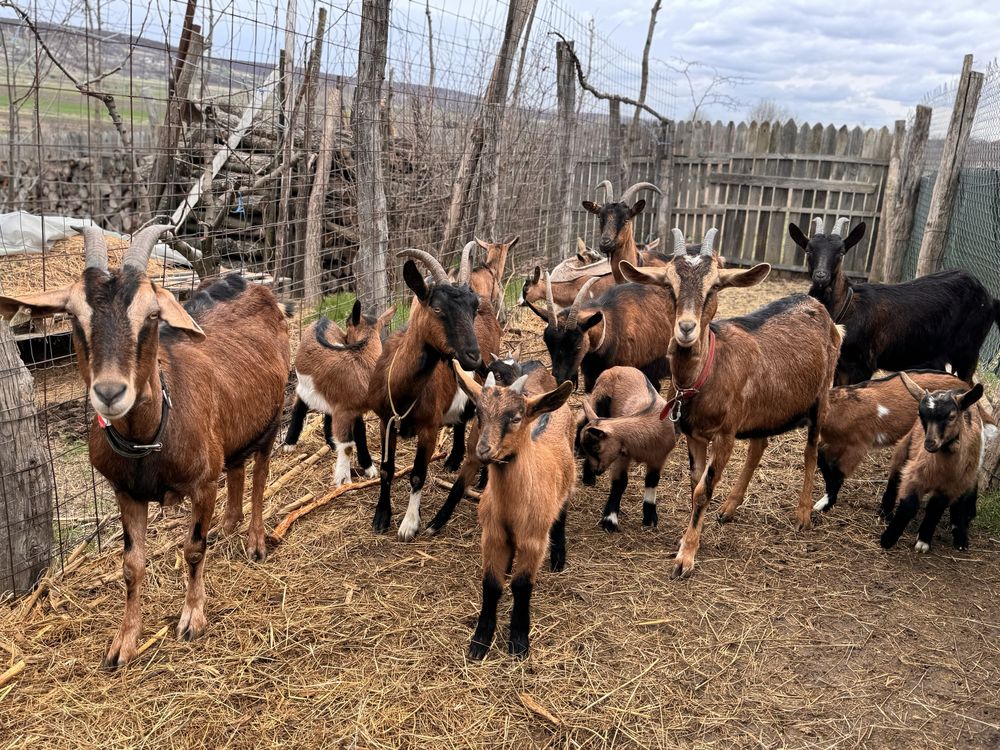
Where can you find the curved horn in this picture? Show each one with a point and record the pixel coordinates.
(465, 267)
(95, 248)
(429, 261)
(609, 192)
(627, 195)
(706, 244)
(680, 244)
(818, 226)
(141, 246)
(842, 222)
(574, 310)
(550, 305)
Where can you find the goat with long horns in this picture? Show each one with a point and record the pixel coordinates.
(616, 220)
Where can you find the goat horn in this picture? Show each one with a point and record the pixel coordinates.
(818, 226)
(627, 195)
(141, 247)
(465, 267)
(842, 222)
(680, 244)
(491, 380)
(95, 248)
(518, 385)
(550, 305)
(706, 244)
(609, 192)
(429, 261)
(574, 310)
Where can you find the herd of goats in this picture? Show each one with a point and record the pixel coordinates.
(183, 393)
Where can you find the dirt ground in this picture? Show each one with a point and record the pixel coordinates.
(345, 639)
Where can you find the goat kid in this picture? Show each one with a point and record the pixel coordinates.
(174, 406)
(940, 458)
(616, 223)
(745, 378)
(526, 441)
(413, 389)
(623, 427)
(868, 415)
(332, 378)
(925, 323)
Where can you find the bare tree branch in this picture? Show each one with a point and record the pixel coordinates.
(701, 92)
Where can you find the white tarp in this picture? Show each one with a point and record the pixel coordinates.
(21, 232)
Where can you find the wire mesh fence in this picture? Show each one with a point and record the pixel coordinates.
(215, 117)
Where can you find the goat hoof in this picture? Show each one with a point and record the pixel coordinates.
(477, 650)
(257, 554)
(518, 645)
(724, 517)
(288, 448)
(649, 517)
(823, 504)
(371, 472)
(682, 570)
(117, 657)
(557, 562)
(922, 546)
(453, 464)
(589, 480)
(887, 542)
(380, 524)
(960, 541)
(191, 625)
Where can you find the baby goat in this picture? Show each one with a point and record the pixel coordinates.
(617, 235)
(940, 457)
(745, 378)
(621, 327)
(174, 404)
(526, 441)
(332, 378)
(928, 322)
(413, 388)
(864, 416)
(624, 427)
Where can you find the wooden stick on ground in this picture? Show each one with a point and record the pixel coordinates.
(11, 673)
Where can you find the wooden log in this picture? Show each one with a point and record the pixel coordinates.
(665, 203)
(562, 196)
(25, 477)
(889, 198)
(935, 238)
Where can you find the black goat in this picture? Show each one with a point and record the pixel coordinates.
(927, 323)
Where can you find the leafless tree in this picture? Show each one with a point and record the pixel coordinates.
(768, 110)
(706, 86)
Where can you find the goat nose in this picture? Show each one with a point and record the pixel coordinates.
(109, 391)
(821, 276)
(686, 326)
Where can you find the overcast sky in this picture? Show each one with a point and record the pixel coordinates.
(849, 61)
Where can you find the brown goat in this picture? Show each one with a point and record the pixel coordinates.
(624, 427)
(866, 415)
(939, 457)
(413, 389)
(174, 405)
(744, 378)
(487, 278)
(332, 378)
(617, 234)
(526, 440)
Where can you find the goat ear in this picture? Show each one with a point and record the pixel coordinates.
(597, 432)
(591, 206)
(636, 208)
(536, 311)
(854, 237)
(414, 280)
(970, 397)
(797, 236)
(749, 277)
(915, 390)
(588, 411)
(512, 241)
(356, 313)
(536, 275)
(653, 276)
(174, 315)
(384, 318)
(39, 305)
(592, 321)
(466, 382)
(654, 245)
(548, 401)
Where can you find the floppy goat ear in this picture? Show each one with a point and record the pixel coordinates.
(591, 206)
(592, 321)
(797, 236)
(174, 315)
(749, 277)
(970, 397)
(915, 390)
(854, 237)
(652, 276)
(548, 401)
(38, 305)
(467, 383)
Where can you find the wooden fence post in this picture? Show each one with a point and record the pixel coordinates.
(25, 482)
(616, 147)
(562, 200)
(371, 284)
(664, 205)
(316, 215)
(935, 237)
(896, 230)
(889, 200)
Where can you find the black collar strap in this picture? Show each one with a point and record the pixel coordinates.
(847, 303)
(127, 449)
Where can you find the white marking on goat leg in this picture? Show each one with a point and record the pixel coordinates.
(948, 368)
(922, 547)
(612, 518)
(649, 495)
(411, 521)
(822, 503)
(288, 448)
(371, 472)
(342, 473)
(881, 411)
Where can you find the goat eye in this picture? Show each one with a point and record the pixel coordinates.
(153, 316)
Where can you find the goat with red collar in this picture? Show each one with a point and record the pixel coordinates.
(744, 378)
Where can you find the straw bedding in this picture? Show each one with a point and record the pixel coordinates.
(345, 639)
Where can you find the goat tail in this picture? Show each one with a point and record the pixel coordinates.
(841, 332)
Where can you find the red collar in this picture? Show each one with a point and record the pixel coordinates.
(673, 407)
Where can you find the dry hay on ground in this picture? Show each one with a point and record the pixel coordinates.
(344, 639)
